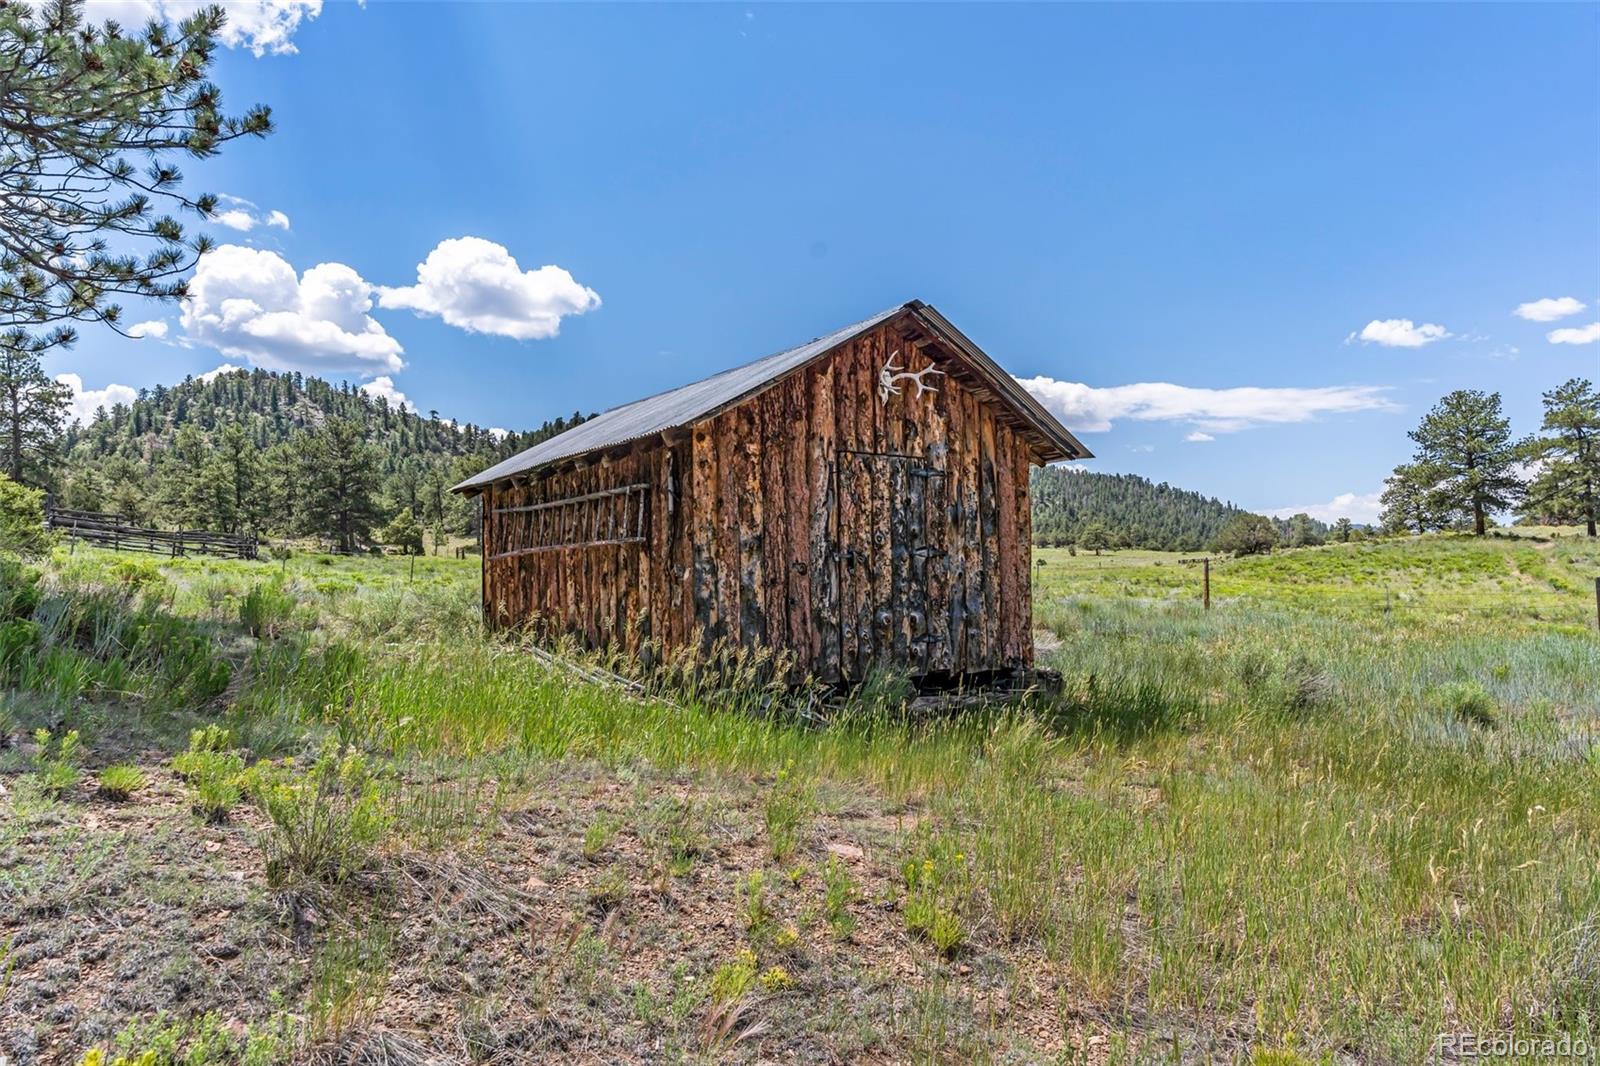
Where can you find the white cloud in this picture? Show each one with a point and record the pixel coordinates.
(497, 433)
(262, 26)
(1550, 308)
(476, 284)
(1575, 334)
(86, 401)
(247, 303)
(156, 328)
(1085, 408)
(225, 368)
(1400, 333)
(383, 386)
(1363, 508)
(1198, 437)
(237, 218)
(243, 215)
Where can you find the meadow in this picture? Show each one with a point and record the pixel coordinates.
(305, 809)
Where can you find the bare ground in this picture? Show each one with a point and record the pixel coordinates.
(583, 923)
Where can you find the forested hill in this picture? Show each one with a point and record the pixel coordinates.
(283, 452)
(145, 459)
(1137, 512)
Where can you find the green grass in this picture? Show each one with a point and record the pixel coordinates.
(1534, 576)
(1299, 818)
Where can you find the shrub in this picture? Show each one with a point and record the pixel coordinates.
(403, 534)
(22, 529)
(776, 979)
(18, 638)
(1470, 702)
(213, 772)
(731, 980)
(215, 784)
(751, 891)
(1246, 534)
(118, 783)
(787, 808)
(19, 589)
(324, 822)
(928, 911)
(266, 609)
(839, 892)
(56, 772)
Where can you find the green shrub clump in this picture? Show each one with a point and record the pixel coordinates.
(1470, 702)
(119, 783)
(325, 821)
(266, 609)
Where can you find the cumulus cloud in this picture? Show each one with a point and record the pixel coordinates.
(248, 303)
(86, 401)
(1550, 308)
(1089, 409)
(235, 218)
(1361, 508)
(1198, 437)
(1575, 334)
(383, 386)
(476, 285)
(237, 213)
(263, 26)
(225, 368)
(1399, 333)
(156, 328)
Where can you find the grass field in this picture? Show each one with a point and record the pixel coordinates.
(311, 811)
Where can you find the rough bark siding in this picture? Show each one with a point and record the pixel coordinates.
(813, 517)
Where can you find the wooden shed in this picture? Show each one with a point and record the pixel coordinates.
(861, 499)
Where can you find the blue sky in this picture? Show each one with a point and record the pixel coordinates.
(1241, 249)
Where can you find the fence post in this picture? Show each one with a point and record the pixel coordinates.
(1597, 601)
(1205, 593)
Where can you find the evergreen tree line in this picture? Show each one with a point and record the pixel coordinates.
(1079, 508)
(276, 453)
(1468, 466)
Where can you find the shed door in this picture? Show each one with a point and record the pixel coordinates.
(892, 540)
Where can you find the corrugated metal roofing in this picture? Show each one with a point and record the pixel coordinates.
(679, 407)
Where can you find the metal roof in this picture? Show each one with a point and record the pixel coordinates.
(686, 404)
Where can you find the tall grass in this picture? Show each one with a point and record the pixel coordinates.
(1261, 820)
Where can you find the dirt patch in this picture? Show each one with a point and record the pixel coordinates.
(590, 923)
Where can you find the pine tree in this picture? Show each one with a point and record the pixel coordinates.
(235, 468)
(32, 411)
(1301, 532)
(1567, 483)
(92, 124)
(403, 533)
(1466, 442)
(1342, 529)
(1247, 534)
(1408, 499)
(1095, 537)
(338, 480)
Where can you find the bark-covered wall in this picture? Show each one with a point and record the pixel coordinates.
(813, 517)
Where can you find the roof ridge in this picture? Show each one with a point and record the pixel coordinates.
(592, 435)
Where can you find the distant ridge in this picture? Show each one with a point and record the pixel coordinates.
(1137, 512)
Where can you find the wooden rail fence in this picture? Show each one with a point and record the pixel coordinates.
(115, 532)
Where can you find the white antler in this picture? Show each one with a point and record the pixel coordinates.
(892, 373)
